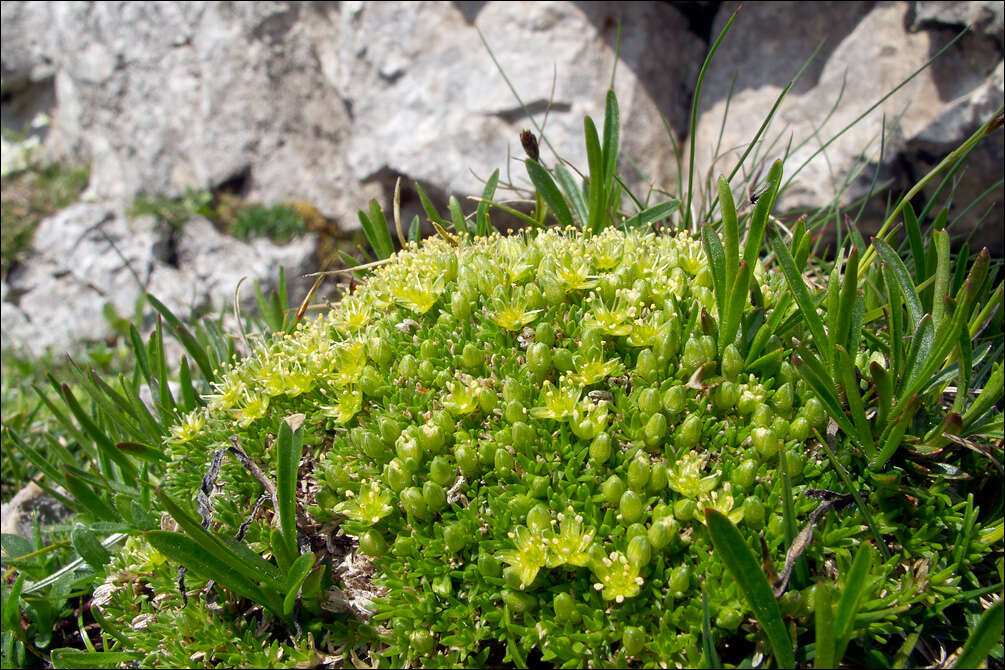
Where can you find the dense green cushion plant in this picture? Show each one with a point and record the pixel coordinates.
(509, 447)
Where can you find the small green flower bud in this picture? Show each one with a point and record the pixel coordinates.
(726, 395)
(688, 434)
(782, 400)
(799, 429)
(514, 411)
(745, 475)
(781, 428)
(429, 350)
(472, 356)
(729, 618)
(638, 473)
(648, 401)
(657, 478)
(434, 495)
(668, 343)
(488, 566)
(379, 351)
(408, 367)
(685, 509)
(539, 360)
(511, 577)
(562, 359)
(455, 537)
(612, 489)
(732, 362)
(539, 518)
(659, 534)
(747, 403)
(674, 399)
(765, 442)
(633, 640)
(413, 502)
(524, 437)
(487, 400)
(763, 416)
(647, 366)
(601, 447)
(565, 608)
(389, 430)
(639, 551)
(519, 602)
(427, 371)
(422, 641)
(442, 471)
(372, 543)
(815, 413)
(396, 476)
(503, 462)
(538, 486)
(431, 438)
(753, 513)
(545, 333)
(680, 581)
(631, 507)
(460, 306)
(656, 430)
(467, 459)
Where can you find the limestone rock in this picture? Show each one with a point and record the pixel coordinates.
(90, 255)
(17, 515)
(327, 102)
(868, 50)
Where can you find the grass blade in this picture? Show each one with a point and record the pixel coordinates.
(802, 296)
(185, 551)
(545, 185)
(914, 240)
(759, 221)
(717, 264)
(824, 619)
(730, 229)
(482, 224)
(572, 192)
(295, 579)
(985, 636)
(192, 346)
(612, 130)
(743, 566)
(902, 278)
(595, 159)
(709, 654)
(854, 589)
(651, 215)
(289, 446)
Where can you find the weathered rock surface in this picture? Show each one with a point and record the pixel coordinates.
(328, 102)
(869, 49)
(17, 516)
(90, 255)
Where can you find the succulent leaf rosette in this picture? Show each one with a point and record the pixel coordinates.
(509, 447)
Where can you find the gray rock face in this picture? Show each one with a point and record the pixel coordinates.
(327, 102)
(868, 50)
(18, 514)
(90, 255)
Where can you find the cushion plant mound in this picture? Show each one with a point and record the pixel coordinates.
(509, 445)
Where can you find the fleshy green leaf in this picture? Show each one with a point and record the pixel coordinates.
(545, 185)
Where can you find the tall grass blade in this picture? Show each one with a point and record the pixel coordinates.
(545, 185)
(740, 562)
(482, 224)
(289, 447)
(986, 635)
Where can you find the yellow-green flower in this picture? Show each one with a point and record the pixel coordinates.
(371, 505)
(349, 404)
(572, 544)
(530, 556)
(559, 404)
(617, 577)
(189, 429)
(590, 368)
